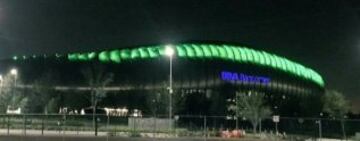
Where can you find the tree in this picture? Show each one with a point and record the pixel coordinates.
(53, 105)
(42, 92)
(251, 106)
(337, 106)
(156, 103)
(218, 103)
(10, 96)
(97, 80)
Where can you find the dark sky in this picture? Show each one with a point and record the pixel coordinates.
(321, 34)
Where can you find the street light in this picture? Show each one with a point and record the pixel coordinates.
(169, 51)
(1, 80)
(13, 72)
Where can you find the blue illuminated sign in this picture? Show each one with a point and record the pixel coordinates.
(233, 76)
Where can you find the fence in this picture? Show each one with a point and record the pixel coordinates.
(161, 126)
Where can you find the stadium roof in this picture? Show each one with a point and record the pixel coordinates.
(226, 52)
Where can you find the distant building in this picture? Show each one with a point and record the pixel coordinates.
(12, 110)
(119, 112)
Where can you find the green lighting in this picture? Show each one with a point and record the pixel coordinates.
(135, 54)
(125, 54)
(214, 51)
(181, 51)
(222, 52)
(237, 54)
(104, 56)
(207, 50)
(198, 51)
(57, 55)
(255, 56)
(144, 53)
(92, 55)
(204, 51)
(153, 52)
(161, 50)
(72, 57)
(229, 52)
(249, 55)
(189, 51)
(115, 56)
(243, 54)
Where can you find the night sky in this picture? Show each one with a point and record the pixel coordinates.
(322, 34)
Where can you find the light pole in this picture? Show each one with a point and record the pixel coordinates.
(1, 79)
(169, 51)
(1, 83)
(14, 72)
(320, 127)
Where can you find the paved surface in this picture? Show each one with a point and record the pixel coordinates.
(87, 138)
(19, 132)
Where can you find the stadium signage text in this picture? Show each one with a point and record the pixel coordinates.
(233, 76)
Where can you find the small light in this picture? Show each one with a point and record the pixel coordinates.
(13, 72)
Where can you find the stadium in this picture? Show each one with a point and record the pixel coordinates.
(206, 74)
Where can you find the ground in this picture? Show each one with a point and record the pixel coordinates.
(87, 138)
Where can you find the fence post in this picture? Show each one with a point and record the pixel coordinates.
(96, 125)
(205, 128)
(133, 122)
(63, 125)
(276, 128)
(154, 132)
(24, 124)
(260, 126)
(42, 125)
(176, 119)
(8, 124)
(320, 130)
(107, 127)
(343, 127)
(237, 121)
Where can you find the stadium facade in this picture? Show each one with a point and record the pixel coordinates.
(205, 68)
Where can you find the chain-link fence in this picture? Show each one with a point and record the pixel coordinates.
(178, 126)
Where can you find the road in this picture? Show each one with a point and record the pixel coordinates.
(92, 138)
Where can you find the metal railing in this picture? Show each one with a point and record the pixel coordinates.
(182, 126)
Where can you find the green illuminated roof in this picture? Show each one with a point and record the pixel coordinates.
(224, 52)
